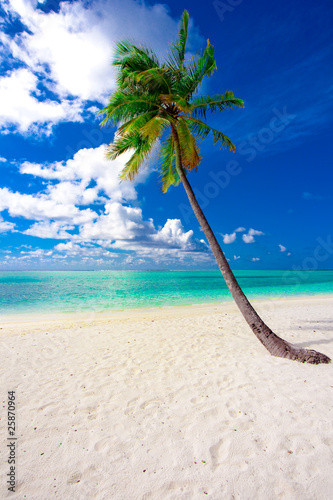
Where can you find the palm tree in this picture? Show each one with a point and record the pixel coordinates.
(151, 99)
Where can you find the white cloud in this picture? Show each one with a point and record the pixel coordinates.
(69, 52)
(249, 237)
(19, 107)
(255, 259)
(74, 193)
(3, 160)
(229, 238)
(172, 235)
(51, 230)
(57, 212)
(236, 257)
(74, 250)
(118, 222)
(37, 253)
(6, 226)
(69, 247)
(88, 165)
(282, 248)
(254, 232)
(123, 228)
(41, 207)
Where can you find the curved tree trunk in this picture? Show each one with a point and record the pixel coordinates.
(274, 344)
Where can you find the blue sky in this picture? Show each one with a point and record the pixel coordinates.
(269, 204)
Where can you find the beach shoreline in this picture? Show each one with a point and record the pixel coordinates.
(6, 319)
(173, 402)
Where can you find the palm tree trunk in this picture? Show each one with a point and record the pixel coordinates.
(274, 344)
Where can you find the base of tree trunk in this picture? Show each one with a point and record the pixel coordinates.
(302, 355)
(280, 348)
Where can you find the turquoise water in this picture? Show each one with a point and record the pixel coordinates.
(76, 291)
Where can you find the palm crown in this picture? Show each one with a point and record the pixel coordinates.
(151, 98)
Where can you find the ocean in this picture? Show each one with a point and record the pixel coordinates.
(83, 291)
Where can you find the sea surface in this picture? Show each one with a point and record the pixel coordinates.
(83, 291)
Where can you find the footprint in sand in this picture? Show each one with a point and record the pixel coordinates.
(220, 451)
(131, 406)
(110, 446)
(147, 405)
(103, 444)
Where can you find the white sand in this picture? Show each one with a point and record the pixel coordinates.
(172, 403)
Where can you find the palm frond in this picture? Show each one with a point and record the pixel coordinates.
(188, 145)
(123, 107)
(131, 60)
(156, 80)
(178, 48)
(200, 105)
(169, 175)
(135, 124)
(127, 54)
(154, 128)
(122, 144)
(143, 147)
(197, 69)
(202, 130)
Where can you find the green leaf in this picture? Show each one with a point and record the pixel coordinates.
(169, 175)
(188, 145)
(178, 48)
(201, 130)
(200, 105)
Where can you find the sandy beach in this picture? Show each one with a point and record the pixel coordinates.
(169, 403)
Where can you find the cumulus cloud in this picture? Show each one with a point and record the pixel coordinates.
(19, 107)
(282, 248)
(229, 238)
(51, 230)
(123, 227)
(5, 226)
(88, 179)
(74, 250)
(236, 257)
(42, 207)
(68, 54)
(118, 222)
(249, 237)
(70, 247)
(172, 235)
(139, 239)
(255, 259)
(254, 232)
(87, 165)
